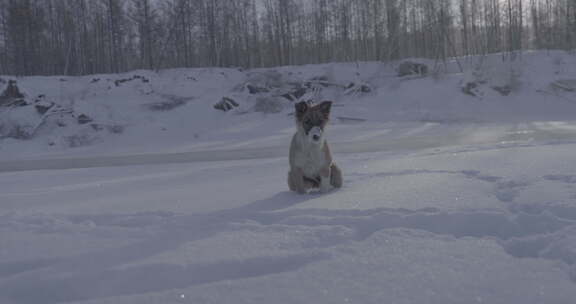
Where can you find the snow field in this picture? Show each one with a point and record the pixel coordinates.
(448, 198)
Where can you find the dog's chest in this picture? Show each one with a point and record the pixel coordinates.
(311, 161)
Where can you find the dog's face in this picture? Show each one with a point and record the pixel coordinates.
(312, 120)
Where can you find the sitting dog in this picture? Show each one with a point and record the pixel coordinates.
(311, 164)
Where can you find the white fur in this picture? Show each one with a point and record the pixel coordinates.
(311, 157)
(325, 185)
(316, 131)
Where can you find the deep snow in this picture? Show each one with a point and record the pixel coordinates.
(448, 198)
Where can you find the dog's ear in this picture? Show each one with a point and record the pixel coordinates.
(325, 107)
(301, 108)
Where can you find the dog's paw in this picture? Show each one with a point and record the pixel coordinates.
(325, 185)
(325, 188)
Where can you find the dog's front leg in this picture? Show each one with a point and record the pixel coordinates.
(296, 181)
(335, 176)
(325, 185)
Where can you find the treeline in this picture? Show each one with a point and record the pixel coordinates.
(76, 37)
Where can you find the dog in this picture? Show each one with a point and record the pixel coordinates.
(311, 163)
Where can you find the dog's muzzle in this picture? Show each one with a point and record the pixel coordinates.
(316, 134)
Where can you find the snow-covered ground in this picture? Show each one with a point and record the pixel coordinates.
(448, 197)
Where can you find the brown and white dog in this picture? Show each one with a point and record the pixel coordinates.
(311, 164)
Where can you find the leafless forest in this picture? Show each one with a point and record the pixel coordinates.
(75, 37)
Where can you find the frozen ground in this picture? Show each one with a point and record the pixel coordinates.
(451, 203)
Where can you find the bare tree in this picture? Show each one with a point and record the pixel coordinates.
(106, 36)
(144, 16)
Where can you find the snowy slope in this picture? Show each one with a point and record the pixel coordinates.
(172, 110)
(448, 198)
